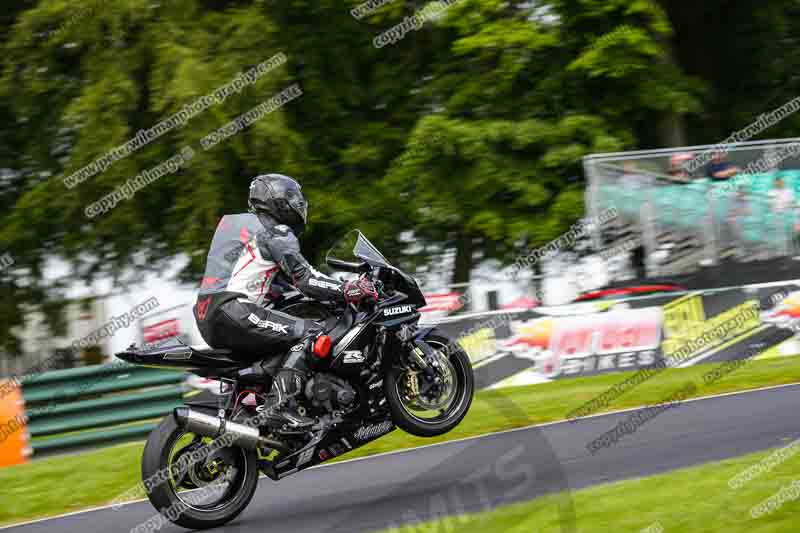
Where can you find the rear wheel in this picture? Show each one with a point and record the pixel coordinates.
(426, 407)
(193, 484)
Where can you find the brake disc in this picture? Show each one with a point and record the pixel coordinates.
(428, 400)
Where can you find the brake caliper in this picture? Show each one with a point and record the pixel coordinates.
(413, 383)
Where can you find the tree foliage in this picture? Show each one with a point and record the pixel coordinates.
(467, 133)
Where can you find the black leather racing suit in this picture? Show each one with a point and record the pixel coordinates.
(253, 260)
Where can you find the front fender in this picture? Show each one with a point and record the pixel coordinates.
(423, 332)
(419, 340)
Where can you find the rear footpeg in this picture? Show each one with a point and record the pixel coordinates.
(213, 426)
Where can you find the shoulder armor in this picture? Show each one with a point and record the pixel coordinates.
(282, 230)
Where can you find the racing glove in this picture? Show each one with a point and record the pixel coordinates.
(356, 292)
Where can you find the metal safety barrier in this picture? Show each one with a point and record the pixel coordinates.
(686, 217)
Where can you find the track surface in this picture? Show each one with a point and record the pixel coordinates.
(474, 475)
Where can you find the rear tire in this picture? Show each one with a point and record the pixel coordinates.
(163, 497)
(465, 383)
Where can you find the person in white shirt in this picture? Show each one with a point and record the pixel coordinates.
(783, 204)
(781, 198)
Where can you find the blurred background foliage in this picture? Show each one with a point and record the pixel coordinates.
(466, 135)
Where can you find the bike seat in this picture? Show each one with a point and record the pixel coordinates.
(222, 357)
(213, 352)
(185, 357)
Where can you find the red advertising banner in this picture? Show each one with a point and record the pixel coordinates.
(451, 302)
(166, 329)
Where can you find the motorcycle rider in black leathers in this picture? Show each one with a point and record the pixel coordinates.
(254, 258)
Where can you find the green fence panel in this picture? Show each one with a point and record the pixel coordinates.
(91, 420)
(108, 402)
(94, 438)
(72, 374)
(68, 409)
(100, 385)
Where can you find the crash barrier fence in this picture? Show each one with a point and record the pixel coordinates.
(90, 406)
(685, 217)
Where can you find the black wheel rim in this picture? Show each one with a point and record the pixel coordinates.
(218, 478)
(459, 394)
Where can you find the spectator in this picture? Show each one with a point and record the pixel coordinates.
(676, 167)
(740, 206)
(781, 198)
(734, 230)
(721, 170)
(782, 203)
(631, 179)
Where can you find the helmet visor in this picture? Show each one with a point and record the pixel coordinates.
(300, 206)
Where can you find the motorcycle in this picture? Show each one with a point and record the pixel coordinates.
(375, 369)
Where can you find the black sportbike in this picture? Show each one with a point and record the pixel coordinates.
(382, 369)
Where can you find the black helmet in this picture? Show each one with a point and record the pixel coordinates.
(281, 198)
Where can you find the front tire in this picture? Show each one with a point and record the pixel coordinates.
(404, 415)
(167, 499)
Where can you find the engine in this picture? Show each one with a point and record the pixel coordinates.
(326, 391)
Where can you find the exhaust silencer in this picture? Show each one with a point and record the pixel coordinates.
(213, 426)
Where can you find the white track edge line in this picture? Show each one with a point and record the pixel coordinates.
(456, 441)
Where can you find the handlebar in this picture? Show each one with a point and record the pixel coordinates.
(346, 266)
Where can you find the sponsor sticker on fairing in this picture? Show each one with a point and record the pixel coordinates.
(373, 431)
(306, 456)
(393, 311)
(353, 356)
(178, 356)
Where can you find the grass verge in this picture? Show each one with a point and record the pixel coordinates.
(697, 500)
(58, 485)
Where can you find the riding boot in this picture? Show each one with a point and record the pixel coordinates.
(290, 381)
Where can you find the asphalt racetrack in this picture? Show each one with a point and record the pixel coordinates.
(476, 474)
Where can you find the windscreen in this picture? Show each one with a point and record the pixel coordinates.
(367, 251)
(354, 247)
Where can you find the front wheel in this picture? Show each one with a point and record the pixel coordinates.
(194, 482)
(425, 407)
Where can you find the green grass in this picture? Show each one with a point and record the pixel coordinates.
(536, 404)
(57, 485)
(693, 500)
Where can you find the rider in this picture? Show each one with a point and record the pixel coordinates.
(254, 259)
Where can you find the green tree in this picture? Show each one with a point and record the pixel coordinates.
(73, 89)
(488, 170)
(77, 83)
(466, 134)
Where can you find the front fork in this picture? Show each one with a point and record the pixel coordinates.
(421, 354)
